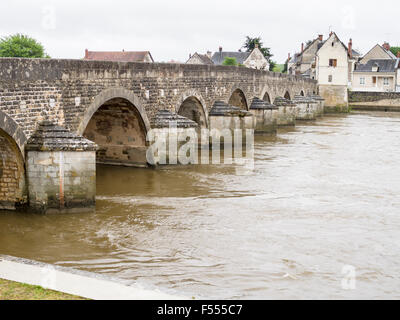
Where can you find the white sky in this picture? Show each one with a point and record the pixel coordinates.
(173, 29)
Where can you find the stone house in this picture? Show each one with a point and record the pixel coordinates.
(305, 62)
(254, 59)
(119, 56)
(197, 58)
(334, 67)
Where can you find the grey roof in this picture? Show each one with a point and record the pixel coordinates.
(223, 109)
(51, 137)
(165, 118)
(384, 65)
(219, 57)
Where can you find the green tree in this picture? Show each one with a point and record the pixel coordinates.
(395, 50)
(21, 46)
(285, 66)
(228, 61)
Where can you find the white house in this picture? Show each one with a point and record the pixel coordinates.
(333, 70)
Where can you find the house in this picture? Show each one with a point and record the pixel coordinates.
(304, 63)
(377, 70)
(254, 59)
(119, 56)
(379, 75)
(334, 67)
(378, 52)
(197, 58)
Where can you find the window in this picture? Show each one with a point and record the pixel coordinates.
(362, 80)
(330, 78)
(374, 80)
(333, 63)
(385, 81)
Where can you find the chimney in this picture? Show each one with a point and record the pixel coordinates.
(321, 37)
(351, 48)
(209, 54)
(302, 47)
(386, 46)
(288, 56)
(86, 53)
(331, 33)
(190, 55)
(256, 45)
(220, 49)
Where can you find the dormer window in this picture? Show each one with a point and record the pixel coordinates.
(375, 68)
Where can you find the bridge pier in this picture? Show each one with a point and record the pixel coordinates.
(60, 170)
(265, 114)
(286, 113)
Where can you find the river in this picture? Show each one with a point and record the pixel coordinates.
(323, 198)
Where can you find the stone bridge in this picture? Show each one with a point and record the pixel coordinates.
(111, 104)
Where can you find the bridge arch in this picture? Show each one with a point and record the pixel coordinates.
(10, 127)
(192, 106)
(12, 172)
(118, 124)
(237, 98)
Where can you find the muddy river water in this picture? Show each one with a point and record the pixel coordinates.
(323, 199)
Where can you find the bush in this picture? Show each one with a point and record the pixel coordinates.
(230, 62)
(21, 46)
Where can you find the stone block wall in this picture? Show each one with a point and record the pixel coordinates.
(64, 90)
(336, 98)
(61, 180)
(386, 101)
(12, 174)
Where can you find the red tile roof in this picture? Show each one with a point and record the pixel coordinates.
(118, 56)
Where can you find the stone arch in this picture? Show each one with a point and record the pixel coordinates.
(192, 105)
(110, 94)
(117, 123)
(302, 93)
(287, 95)
(237, 98)
(12, 173)
(10, 127)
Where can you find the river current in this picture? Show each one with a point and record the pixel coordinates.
(318, 218)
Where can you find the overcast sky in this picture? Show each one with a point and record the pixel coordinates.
(173, 29)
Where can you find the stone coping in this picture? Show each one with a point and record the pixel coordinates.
(51, 137)
(76, 282)
(222, 109)
(259, 104)
(164, 118)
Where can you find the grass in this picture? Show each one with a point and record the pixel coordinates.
(10, 290)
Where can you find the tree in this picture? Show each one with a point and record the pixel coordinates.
(272, 65)
(228, 61)
(21, 46)
(395, 50)
(285, 66)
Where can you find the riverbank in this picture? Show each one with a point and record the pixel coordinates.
(32, 278)
(10, 290)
